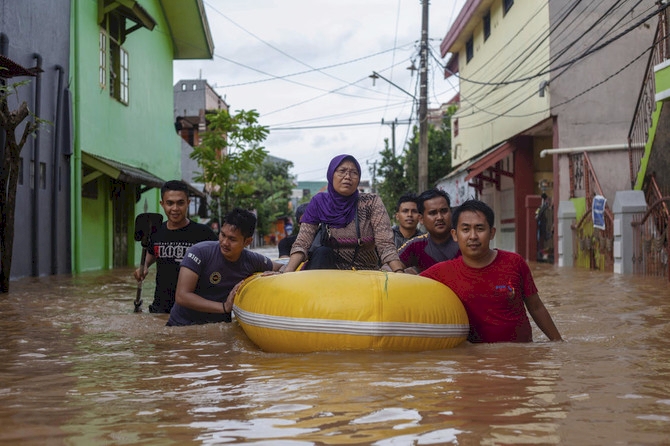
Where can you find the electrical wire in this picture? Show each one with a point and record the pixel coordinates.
(590, 50)
(566, 63)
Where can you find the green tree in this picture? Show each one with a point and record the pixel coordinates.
(391, 182)
(439, 152)
(10, 120)
(230, 148)
(272, 186)
(398, 175)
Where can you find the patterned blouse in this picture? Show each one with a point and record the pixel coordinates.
(377, 246)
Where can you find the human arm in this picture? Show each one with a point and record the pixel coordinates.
(383, 235)
(409, 257)
(396, 266)
(300, 247)
(186, 296)
(141, 272)
(230, 300)
(293, 262)
(542, 318)
(260, 265)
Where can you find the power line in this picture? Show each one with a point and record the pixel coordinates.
(564, 65)
(597, 84)
(567, 63)
(299, 73)
(351, 124)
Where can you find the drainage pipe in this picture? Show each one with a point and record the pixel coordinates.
(605, 148)
(55, 176)
(36, 170)
(4, 51)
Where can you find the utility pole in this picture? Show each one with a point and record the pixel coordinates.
(392, 124)
(373, 186)
(423, 101)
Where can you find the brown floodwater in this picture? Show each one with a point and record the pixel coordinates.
(78, 367)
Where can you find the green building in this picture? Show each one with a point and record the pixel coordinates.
(125, 144)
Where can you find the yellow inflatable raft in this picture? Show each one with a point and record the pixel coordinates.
(324, 310)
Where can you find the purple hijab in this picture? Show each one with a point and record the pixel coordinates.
(330, 207)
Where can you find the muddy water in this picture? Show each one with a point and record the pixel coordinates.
(78, 367)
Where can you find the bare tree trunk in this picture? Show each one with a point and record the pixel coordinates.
(9, 178)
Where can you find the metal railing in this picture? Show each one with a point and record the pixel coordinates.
(651, 245)
(592, 247)
(651, 249)
(638, 134)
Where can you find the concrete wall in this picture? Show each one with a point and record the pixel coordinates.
(611, 168)
(42, 224)
(194, 96)
(593, 100)
(189, 97)
(189, 166)
(491, 113)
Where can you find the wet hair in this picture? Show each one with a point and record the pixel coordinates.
(405, 198)
(472, 205)
(299, 211)
(429, 195)
(241, 219)
(174, 185)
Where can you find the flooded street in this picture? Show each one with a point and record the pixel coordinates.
(79, 368)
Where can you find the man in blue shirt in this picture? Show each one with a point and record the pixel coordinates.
(210, 270)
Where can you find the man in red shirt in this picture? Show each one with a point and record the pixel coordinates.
(437, 245)
(495, 286)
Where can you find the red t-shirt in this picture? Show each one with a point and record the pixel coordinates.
(422, 252)
(493, 296)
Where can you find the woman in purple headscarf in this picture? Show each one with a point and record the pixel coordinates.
(369, 247)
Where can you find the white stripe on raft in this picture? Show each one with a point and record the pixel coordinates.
(335, 326)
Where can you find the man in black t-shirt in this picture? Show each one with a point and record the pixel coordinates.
(169, 244)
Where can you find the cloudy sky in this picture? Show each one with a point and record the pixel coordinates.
(304, 65)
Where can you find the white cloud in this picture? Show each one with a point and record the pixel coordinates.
(284, 37)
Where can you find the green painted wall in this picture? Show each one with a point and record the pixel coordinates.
(662, 80)
(644, 162)
(95, 219)
(140, 134)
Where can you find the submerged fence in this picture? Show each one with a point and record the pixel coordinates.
(650, 244)
(650, 233)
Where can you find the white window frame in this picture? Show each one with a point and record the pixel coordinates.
(124, 84)
(102, 49)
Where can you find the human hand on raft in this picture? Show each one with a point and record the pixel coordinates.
(230, 300)
(396, 266)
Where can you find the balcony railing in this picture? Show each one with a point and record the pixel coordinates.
(638, 134)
